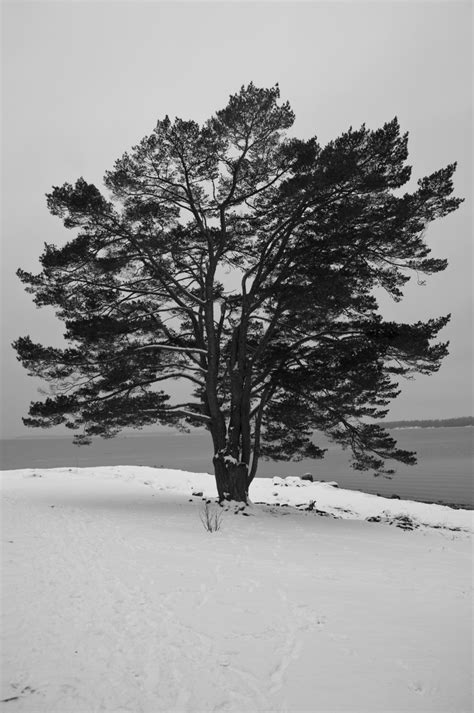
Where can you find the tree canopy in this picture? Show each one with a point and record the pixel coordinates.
(246, 262)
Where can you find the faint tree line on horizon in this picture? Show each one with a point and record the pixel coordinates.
(432, 423)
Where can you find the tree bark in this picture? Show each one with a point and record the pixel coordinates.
(231, 479)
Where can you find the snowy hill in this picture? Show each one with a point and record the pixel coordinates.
(117, 599)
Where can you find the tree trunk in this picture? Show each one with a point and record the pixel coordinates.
(231, 479)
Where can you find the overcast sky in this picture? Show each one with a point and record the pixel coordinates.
(84, 81)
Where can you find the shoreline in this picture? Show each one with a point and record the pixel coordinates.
(442, 475)
(452, 505)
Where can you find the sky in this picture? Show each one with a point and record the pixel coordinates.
(84, 81)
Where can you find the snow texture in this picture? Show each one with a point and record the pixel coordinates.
(116, 599)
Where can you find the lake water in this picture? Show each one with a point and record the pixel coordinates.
(444, 472)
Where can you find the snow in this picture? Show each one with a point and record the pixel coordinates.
(117, 599)
(230, 460)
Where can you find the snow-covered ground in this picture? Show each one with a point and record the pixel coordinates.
(115, 597)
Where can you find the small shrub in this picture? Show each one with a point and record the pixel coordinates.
(211, 519)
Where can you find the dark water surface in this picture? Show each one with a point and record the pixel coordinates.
(444, 472)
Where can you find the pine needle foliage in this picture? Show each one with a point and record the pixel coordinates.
(246, 263)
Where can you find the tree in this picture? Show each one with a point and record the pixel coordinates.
(291, 341)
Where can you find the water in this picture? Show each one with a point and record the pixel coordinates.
(444, 472)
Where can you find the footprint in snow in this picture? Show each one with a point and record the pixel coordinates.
(21, 694)
(417, 686)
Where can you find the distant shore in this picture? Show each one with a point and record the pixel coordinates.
(460, 422)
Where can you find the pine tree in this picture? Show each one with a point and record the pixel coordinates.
(246, 263)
